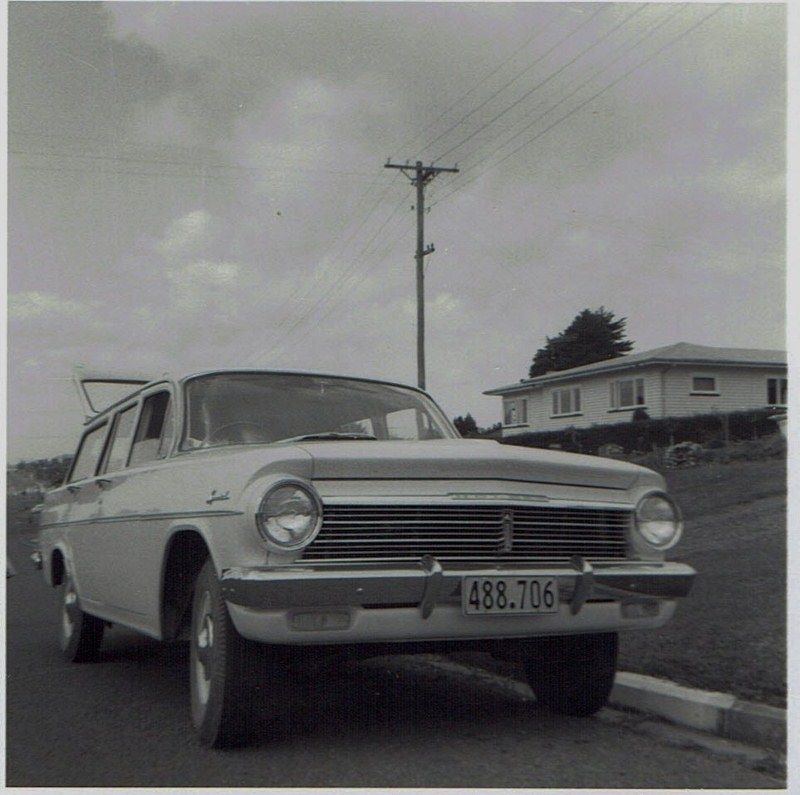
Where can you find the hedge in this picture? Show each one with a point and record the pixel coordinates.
(644, 435)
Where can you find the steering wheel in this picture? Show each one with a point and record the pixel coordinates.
(218, 434)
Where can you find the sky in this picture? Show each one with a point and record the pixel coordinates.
(199, 185)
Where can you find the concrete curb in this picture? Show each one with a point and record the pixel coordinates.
(717, 713)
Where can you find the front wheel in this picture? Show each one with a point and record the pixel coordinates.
(573, 675)
(80, 634)
(219, 659)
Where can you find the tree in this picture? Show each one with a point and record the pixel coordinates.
(593, 336)
(466, 426)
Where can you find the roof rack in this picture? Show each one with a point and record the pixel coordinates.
(85, 378)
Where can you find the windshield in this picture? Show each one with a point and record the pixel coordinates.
(256, 408)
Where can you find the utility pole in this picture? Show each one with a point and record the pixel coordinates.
(420, 176)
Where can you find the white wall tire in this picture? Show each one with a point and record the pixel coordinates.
(218, 662)
(80, 635)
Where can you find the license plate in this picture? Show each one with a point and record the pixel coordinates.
(509, 595)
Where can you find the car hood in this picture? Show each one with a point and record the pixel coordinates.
(463, 458)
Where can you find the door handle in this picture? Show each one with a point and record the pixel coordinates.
(73, 489)
(102, 482)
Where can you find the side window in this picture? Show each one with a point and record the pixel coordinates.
(88, 455)
(154, 434)
(121, 443)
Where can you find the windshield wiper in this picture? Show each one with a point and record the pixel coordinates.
(312, 437)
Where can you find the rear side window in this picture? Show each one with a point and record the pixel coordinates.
(121, 444)
(154, 434)
(89, 452)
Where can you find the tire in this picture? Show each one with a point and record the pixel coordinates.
(221, 664)
(573, 675)
(80, 634)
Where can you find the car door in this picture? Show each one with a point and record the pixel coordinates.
(95, 550)
(133, 516)
(70, 510)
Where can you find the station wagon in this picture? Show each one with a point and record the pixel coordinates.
(328, 516)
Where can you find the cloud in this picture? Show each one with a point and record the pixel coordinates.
(204, 286)
(34, 304)
(186, 236)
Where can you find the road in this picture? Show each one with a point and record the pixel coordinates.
(123, 722)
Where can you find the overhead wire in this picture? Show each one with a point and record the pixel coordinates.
(583, 103)
(477, 85)
(543, 82)
(510, 82)
(338, 286)
(623, 49)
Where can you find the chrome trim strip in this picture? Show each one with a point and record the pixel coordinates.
(132, 517)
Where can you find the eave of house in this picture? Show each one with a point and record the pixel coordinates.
(636, 362)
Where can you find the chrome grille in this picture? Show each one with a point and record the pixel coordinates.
(468, 534)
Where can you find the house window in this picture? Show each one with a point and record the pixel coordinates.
(704, 385)
(627, 393)
(777, 391)
(516, 412)
(566, 401)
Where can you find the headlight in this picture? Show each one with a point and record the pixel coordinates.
(289, 516)
(658, 520)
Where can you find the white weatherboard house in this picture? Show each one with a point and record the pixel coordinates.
(675, 381)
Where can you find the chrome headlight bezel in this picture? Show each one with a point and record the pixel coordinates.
(650, 526)
(279, 522)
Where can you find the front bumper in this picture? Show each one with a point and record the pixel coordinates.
(423, 601)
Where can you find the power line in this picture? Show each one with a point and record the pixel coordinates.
(591, 98)
(506, 85)
(483, 80)
(543, 82)
(565, 97)
(337, 286)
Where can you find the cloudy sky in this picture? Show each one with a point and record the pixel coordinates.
(195, 185)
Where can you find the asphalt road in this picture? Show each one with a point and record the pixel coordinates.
(124, 722)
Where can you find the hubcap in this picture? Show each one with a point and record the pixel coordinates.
(68, 613)
(204, 649)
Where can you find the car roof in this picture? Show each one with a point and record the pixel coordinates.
(84, 378)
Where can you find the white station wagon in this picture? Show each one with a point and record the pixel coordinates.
(345, 516)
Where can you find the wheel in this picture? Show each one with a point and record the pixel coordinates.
(573, 675)
(80, 634)
(221, 663)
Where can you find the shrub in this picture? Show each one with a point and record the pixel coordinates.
(645, 436)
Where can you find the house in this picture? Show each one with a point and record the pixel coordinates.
(675, 381)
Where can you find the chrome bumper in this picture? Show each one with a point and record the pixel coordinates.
(427, 584)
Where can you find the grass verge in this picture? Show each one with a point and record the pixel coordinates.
(729, 635)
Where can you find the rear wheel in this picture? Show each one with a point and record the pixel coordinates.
(220, 660)
(574, 674)
(80, 634)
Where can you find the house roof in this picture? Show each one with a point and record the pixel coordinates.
(679, 353)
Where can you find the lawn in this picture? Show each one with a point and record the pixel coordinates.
(730, 633)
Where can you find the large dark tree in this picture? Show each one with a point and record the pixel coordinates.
(466, 426)
(593, 336)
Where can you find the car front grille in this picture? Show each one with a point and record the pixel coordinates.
(475, 534)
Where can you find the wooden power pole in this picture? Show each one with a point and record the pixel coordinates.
(420, 176)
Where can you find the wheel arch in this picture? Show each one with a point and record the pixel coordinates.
(57, 567)
(185, 554)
